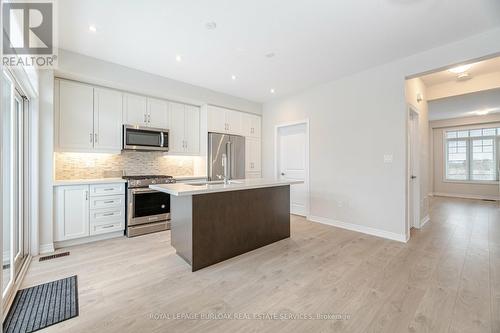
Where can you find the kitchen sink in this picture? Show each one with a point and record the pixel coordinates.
(215, 182)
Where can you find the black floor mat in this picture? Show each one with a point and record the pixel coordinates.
(43, 305)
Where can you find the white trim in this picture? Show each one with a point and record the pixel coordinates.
(426, 219)
(467, 196)
(46, 248)
(90, 239)
(275, 154)
(360, 228)
(410, 108)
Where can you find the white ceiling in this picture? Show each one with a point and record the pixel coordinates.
(479, 68)
(314, 41)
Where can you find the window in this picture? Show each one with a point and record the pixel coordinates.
(471, 155)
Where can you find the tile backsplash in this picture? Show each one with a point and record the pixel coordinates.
(89, 166)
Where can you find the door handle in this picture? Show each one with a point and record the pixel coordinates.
(282, 173)
(413, 177)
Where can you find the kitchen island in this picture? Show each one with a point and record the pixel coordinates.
(212, 221)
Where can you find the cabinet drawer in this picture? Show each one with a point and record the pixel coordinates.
(107, 189)
(110, 201)
(107, 215)
(96, 229)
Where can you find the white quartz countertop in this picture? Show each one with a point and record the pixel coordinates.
(182, 189)
(88, 181)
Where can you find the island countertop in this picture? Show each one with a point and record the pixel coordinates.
(180, 189)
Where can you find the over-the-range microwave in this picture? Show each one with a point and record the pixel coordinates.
(144, 138)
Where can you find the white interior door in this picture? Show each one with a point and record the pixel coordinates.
(292, 164)
(414, 181)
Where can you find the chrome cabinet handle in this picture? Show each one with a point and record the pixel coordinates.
(86, 195)
(90, 137)
(149, 118)
(109, 202)
(145, 118)
(108, 214)
(95, 135)
(108, 226)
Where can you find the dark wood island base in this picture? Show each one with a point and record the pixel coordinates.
(213, 227)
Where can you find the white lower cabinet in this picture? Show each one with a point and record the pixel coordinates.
(88, 210)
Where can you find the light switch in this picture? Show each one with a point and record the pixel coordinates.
(388, 158)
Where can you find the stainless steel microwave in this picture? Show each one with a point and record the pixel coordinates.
(144, 138)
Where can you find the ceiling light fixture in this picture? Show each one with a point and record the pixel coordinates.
(270, 55)
(210, 25)
(178, 58)
(233, 77)
(460, 69)
(92, 28)
(272, 90)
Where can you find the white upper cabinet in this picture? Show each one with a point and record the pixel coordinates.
(74, 116)
(157, 113)
(217, 119)
(252, 155)
(221, 120)
(184, 130)
(192, 129)
(176, 129)
(107, 119)
(233, 120)
(135, 111)
(251, 125)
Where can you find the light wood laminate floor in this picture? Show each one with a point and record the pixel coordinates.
(446, 279)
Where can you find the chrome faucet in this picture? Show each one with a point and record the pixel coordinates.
(225, 165)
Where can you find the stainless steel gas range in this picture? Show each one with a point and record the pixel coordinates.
(147, 210)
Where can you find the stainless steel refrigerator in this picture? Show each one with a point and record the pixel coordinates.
(234, 148)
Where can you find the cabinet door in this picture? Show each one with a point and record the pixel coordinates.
(135, 110)
(252, 155)
(75, 115)
(177, 128)
(250, 125)
(217, 119)
(255, 126)
(234, 120)
(72, 212)
(157, 113)
(108, 109)
(192, 129)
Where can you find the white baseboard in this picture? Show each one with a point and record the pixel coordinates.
(359, 228)
(467, 196)
(84, 240)
(424, 221)
(46, 248)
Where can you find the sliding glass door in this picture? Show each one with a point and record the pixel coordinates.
(14, 137)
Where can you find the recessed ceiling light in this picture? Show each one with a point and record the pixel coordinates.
(270, 55)
(210, 25)
(460, 69)
(92, 28)
(272, 90)
(178, 58)
(233, 77)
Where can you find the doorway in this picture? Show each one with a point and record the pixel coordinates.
(413, 170)
(292, 162)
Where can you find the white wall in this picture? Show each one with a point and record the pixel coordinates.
(83, 68)
(354, 121)
(415, 87)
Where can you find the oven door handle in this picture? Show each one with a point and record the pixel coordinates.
(142, 190)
